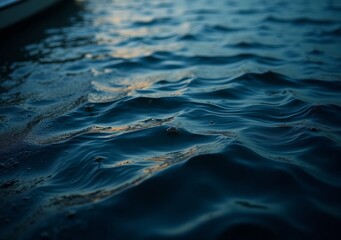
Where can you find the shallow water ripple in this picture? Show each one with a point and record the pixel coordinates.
(173, 120)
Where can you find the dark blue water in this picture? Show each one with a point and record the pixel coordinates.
(172, 120)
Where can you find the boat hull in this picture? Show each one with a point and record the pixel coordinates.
(21, 10)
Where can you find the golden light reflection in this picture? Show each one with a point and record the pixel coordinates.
(128, 53)
(142, 50)
(109, 88)
(149, 123)
(116, 20)
(136, 32)
(125, 88)
(109, 93)
(172, 158)
(123, 17)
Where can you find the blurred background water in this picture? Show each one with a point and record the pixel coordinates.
(172, 119)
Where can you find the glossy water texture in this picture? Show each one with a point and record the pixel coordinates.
(173, 120)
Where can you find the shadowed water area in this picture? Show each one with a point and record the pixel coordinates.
(172, 119)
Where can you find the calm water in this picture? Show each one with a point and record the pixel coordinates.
(173, 119)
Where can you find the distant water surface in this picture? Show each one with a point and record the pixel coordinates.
(172, 119)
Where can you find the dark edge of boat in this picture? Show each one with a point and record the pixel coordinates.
(9, 5)
(12, 29)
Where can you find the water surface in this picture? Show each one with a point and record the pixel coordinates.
(172, 120)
